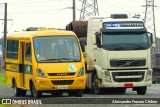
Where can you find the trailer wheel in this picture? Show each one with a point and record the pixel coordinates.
(141, 90)
(17, 91)
(97, 90)
(34, 92)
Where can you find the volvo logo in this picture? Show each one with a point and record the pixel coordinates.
(128, 63)
(61, 74)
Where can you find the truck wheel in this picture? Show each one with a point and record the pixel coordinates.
(141, 90)
(122, 90)
(17, 91)
(78, 93)
(34, 92)
(97, 90)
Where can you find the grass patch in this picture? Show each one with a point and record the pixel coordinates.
(3, 79)
(6, 105)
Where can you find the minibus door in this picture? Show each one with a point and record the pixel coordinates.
(22, 65)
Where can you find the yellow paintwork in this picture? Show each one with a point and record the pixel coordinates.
(23, 80)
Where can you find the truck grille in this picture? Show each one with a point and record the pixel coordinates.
(61, 74)
(127, 63)
(62, 82)
(124, 76)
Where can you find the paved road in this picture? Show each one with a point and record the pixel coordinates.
(152, 92)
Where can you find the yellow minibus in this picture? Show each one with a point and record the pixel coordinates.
(45, 61)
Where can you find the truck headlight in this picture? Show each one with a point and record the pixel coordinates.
(149, 72)
(81, 72)
(107, 75)
(40, 73)
(148, 76)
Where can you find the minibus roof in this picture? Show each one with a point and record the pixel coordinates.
(31, 34)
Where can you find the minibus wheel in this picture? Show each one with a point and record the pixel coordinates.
(34, 92)
(78, 93)
(17, 91)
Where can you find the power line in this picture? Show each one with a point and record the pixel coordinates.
(49, 10)
(24, 2)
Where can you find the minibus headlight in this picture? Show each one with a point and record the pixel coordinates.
(40, 73)
(81, 72)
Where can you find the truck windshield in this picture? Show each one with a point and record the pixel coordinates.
(56, 49)
(125, 41)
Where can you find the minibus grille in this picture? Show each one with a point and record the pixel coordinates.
(61, 74)
(62, 82)
(124, 76)
(127, 63)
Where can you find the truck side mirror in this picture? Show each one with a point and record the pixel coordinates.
(153, 44)
(98, 39)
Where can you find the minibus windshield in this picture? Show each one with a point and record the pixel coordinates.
(56, 49)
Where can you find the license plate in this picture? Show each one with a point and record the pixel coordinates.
(63, 87)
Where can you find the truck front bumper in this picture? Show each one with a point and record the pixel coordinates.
(138, 84)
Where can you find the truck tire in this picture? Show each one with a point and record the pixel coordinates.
(34, 92)
(141, 90)
(122, 90)
(78, 93)
(17, 91)
(97, 90)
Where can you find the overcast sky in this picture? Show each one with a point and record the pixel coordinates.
(58, 13)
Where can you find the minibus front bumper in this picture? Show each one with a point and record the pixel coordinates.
(43, 84)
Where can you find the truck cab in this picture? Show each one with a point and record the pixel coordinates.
(118, 50)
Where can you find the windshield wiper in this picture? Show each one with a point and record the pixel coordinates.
(69, 59)
(141, 47)
(119, 47)
(59, 60)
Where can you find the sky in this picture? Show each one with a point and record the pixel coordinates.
(58, 13)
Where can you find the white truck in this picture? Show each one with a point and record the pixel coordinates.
(117, 51)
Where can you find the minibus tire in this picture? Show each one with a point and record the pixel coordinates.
(17, 91)
(34, 92)
(78, 93)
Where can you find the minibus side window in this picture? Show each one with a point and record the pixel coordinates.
(12, 49)
(28, 55)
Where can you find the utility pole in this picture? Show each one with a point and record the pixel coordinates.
(74, 10)
(5, 28)
(89, 8)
